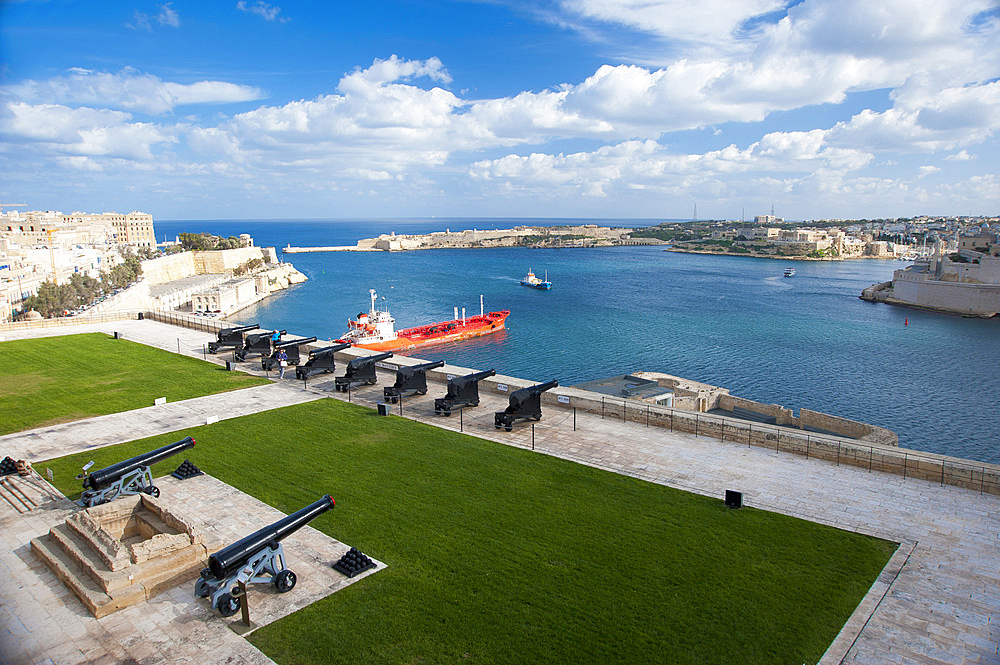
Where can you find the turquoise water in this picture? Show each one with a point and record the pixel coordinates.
(806, 341)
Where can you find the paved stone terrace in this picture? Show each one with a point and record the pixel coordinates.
(937, 602)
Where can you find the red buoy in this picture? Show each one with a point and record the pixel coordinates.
(906, 321)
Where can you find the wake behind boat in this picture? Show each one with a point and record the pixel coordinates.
(376, 329)
(535, 283)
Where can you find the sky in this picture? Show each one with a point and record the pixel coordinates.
(821, 109)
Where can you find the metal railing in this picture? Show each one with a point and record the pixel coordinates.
(945, 470)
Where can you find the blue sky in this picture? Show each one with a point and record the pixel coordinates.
(571, 108)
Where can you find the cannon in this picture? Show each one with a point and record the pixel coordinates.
(257, 558)
(257, 343)
(360, 371)
(230, 337)
(462, 391)
(410, 380)
(291, 348)
(132, 476)
(524, 403)
(320, 361)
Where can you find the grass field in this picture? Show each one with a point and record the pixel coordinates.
(53, 380)
(501, 555)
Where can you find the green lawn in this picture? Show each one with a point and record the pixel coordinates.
(51, 380)
(502, 555)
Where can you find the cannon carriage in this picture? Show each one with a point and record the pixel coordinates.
(230, 337)
(128, 477)
(320, 361)
(463, 391)
(360, 371)
(410, 380)
(525, 403)
(292, 349)
(256, 559)
(259, 343)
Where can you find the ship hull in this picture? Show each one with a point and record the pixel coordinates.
(439, 333)
(544, 286)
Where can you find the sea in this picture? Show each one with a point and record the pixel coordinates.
(736, 322)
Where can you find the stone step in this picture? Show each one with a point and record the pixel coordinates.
(80, 583)
(78, 550)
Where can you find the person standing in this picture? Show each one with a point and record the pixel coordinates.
(282, 359)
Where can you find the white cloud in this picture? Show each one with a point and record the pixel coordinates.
(708, 22)
(63, 131)
(168, 16)
(128, 89)
(262, 9)
(648, 165)
(927, 170)
(960, 156)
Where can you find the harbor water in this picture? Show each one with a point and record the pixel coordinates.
(736, 322)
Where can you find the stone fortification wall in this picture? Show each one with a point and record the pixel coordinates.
(961, 298)
(186, 264)
(169, 268)
(781, 415)
(846, 427)
(224, 260)
(813, 419)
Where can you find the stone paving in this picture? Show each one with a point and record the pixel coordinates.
(936, 603)
(41, 621)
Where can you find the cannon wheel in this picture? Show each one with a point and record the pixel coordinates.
(476, 403)
(497, 425)
(508, 427)
(201, 588)
(153, 491)
(228, 606)
(446, 412)
(284, 580)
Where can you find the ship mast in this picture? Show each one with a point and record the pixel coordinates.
(372, 292)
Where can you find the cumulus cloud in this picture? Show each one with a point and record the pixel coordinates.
(648, 165)
(262, 9)
(81, 132)
(128, 89)
(960, 156)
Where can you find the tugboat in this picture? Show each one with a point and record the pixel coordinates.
(375, 330)
(535, 283)
(789, 272)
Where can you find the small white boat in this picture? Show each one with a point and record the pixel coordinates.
(789, 272)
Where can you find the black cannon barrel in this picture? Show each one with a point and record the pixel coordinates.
(330, 349)
(109, 474)
(423, 367)
(260, 335)
(228, 560)
(478, 376)
(294, 342)
(522, 395)
(226, 332)
(541, 387)
(375, 358)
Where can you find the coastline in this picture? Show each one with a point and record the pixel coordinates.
(779, 258)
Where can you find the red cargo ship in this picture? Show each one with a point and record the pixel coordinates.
(375, 330)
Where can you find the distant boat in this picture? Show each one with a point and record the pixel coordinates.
(535, 283)
(789, 272)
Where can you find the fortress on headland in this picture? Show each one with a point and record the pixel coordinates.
(966, 282)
